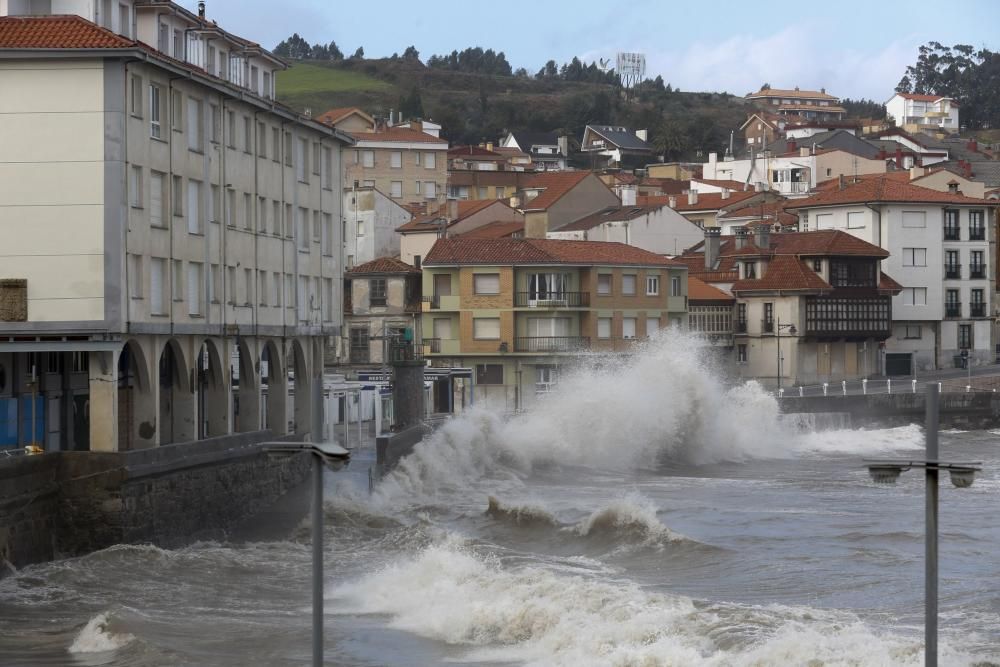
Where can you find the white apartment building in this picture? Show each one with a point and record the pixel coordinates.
(939, 251)
(914, 112)
(370, 222)
(169, 217)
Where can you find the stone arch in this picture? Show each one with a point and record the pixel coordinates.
(137, 413)
(211, 391)
(302, 391)
(245, 379)
(272, 375)
(176, 407)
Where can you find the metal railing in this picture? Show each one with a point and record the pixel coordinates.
(552, 300)
(977, 310)
(435, 301)
(952, 310)
(900, 385)
(953, 271)
(952, 233)
(977, 233)
(767, 326)
(977, 271)
(740, 327)
(433, 345)
(551, 343)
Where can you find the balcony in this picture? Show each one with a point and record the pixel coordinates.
(551, 343)
(953, 271)
(952, 310)
(791, 187)
(977, 271)
(440, 302)
(952, 233)
(977, 310)
(848, 317)
(977, 233)
(767, 326)
(447, 346)
(552, 300)
(740, 327)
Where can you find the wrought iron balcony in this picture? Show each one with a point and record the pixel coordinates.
(977, 233)
(740, 327)
(434, 301)
(551, 343)
(767, 326)
(552, 300)
(977, 310)
(952, 233)
(977, 271)
(952, 310)
(952, 271)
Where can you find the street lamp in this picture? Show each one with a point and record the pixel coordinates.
(777, 332)
(335, 457)
(962, 476)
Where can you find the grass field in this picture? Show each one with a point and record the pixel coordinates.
(304, 79)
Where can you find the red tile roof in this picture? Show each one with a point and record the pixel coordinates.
(926, 98)
(502, 252)
(383, 265)
(707, 201)
(398, 135)
(698, 290)
(473, 151)
(553, 185)
(772, 210)
(466, 208)
(331, 116)
(57, 32)
(735, 186)
(495, 230)
(792, 94)
(883, 189)
(824, 242)
(785, 273)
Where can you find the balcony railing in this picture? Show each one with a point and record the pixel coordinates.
(767, 326)
(977, 310)
(740, 327)
(952, 271)
(433, 345)
(952, 310)
(850, 317)
(791, 187)
(551, 343)
(552, 300)
(977, 271)
(434, 301)
(977, 233)
(952, 234)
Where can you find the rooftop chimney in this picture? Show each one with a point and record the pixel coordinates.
(841, 183)
(899, 158)
(201, 10)
(763, 236)
(712, 242)
(804, 150)
(672, 201)
(692, 197)
(725, 193)
(792, 146)
(916, 172)
(452, 210)
(489, 146)
(741, 237)
(973, 146)
(628, 195)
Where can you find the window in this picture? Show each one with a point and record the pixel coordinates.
(741, 318)
(368, 159)
(951, 228)
(976, 267)
(276, 289)
(396, 160)
(418, 190)
(628, 327)
(210, 61)
(652, 325)
(315, 158)
(486, 328)
(302, 227)
(912, 332)
(216, 121)
(231, 285)
(177, 276)
(213, 283)
(276, 217)
(317, 227)
(604, 283)
(818, 265)
(628, 284)
(377, 292)
(157, 278)
(194, 207)
(267, 84)
(194, 288)
(135, 96)
(328, 168)
(156, 200)
(852, 273)
(177, 196)
(177, 111)
(965, 336)
(247, 211)
(824, 221)
(288, 149)
(178, 52)
(977, 230)
(952, 269)
(652, 285)
(767, 326)
(500, 192)
(914, 296)
(489, 373)
(124, 22)
(135, 187)
(248, 286)
(262, 290)
(741, 353)
(914, 219)
(195, 137)
(396, 189)
(675, 286)
(262, 140)
(155, 110)
(430, 190)
(247, 134)
(914, 256)
(327, 240)
(486, 283)
(275, 144)
(135, 276)
(289, 221)
(302, 161)
(855, 220)
(429, 161)
(750, 270)
(359, 345)
(231, 123)
(262, 215)
(483, 193)
(548, 287)
(230, 207)
(604, 327)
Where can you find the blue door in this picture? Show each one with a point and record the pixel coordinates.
(8, 422)
(36, 435)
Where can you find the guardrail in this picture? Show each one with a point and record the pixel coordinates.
(872, 387)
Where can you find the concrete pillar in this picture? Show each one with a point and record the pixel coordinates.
(304, 383)
(407, 393)
(316, 370)
(277, 391)
(104, 401)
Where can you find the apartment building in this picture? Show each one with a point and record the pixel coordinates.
(382, 309)
(189, 225)
(458, 217)
(811, 104)
(939, 246)
(550, 200)
(915, 113)
(520, 311)
(810, 307)
(369, 226)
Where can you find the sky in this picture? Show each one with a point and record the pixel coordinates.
(853, 49)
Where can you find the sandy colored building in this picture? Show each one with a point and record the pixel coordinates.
(553, 199)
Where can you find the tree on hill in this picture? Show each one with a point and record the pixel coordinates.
(863, 108)
(411, 106)
(473, 60)
(293, 47)
(970, 77)
(359, 54)
(411, 53)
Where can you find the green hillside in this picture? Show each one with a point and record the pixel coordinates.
(473, 107)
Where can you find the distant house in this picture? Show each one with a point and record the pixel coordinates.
(613, 146)
(915, 113)
(803, 103)
(485, 172)
(656, 228)
(762, 128)
(547, 150)
(347, 119)
(703, 209)
(370, 222)
(457, 218)
(552, 199)
(383, 300)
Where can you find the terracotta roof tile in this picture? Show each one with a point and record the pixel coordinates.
(792, 94)
(57, 32)
(383, 265)
(495, 230)
(699, 290)
(501, 252)
(772, 210)
(466, 208)
(926, 98)
(707, 201)
(884, 189)
(473, 151)
(553, 185)
(786, 273)
(735, 186)
(399, 135)
(331, 116)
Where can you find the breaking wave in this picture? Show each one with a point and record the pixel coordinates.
(521, 515)
(97, 637)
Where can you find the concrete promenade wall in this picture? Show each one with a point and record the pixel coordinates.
(973, 410)
(62, 504)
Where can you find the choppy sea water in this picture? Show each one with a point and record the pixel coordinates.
(643, 515)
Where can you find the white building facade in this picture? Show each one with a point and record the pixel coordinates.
(920, 112)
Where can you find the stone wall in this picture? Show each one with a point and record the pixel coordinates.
(65, 504)
(973, 410)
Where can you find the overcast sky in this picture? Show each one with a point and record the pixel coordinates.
(854, 49)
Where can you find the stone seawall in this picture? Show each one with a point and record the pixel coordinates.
(972, 410)
(64, 504)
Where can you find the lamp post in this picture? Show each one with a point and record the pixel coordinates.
(323, 455)
(777, 332)
(962, 476)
